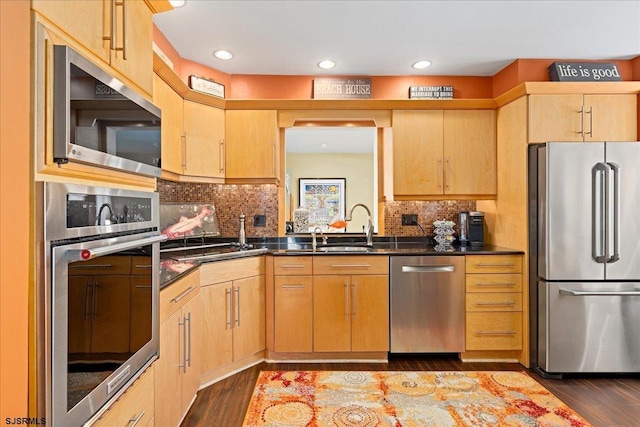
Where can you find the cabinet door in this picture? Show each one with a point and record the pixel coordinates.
(216, 334)
(79, 315)
(190, 351)
(168, 407)
(249, 319)
(140, 311)
(555, 118)
(85, 21)
(203, 156)
(470, 152)
(111, 316)
(134, 30)
(171, 130)
(370, 313)
(331, 313)
(417, 152)
(252, 144)
(611, 117)
(293, 323)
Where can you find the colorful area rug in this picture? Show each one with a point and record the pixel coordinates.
(404, 399)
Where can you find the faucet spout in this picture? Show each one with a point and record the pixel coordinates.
(369, 227)
(314, 242)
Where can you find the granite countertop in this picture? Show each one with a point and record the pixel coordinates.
(184, 256)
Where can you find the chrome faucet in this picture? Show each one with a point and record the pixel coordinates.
(314, 242)
(369, 228)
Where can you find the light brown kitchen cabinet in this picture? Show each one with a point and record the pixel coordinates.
(170, 103)
(177, 370)
(117, 32)
(578, 117)
(204, 140)
(135, 406)
(252, 148)
(493, 302)
(293, 304)
(350, 304)
(233, 328)
(444, 153)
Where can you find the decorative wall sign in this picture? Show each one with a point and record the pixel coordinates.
(430, 92)
(325, 200)
(584, 72)
(333, 88)
(207, 86)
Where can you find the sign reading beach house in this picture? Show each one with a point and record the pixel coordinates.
(334, 88)
(584, 72)
(430, 92)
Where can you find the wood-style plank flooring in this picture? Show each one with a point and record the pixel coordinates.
(604, 401)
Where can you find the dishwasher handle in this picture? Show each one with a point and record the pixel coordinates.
(427, 268)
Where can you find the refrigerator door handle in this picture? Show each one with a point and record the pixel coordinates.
(600, 209)
(573, 293)
(616, 212)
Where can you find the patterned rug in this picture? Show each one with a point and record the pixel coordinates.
(404, 399)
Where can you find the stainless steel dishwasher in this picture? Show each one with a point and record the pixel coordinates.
(427, 304)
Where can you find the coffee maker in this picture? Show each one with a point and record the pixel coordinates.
(476, 228)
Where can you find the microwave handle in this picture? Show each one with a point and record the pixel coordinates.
(87, 254)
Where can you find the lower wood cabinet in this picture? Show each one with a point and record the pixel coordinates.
(177, 374)
(135, 406)
(494, 302)
(233, 323)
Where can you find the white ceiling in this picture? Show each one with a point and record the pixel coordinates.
(376, 38)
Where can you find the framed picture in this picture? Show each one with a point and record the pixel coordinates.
(325, 200)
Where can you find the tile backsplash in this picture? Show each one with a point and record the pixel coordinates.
(262, 199)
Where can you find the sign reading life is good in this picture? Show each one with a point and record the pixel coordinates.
(584, 72)
(330, 88)
(206, 86)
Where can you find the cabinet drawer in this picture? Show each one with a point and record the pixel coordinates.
(135, 404)
(178, 294)
(493, 264)
(225, 271)
(494, 282)
(141, 265)
(110, 264)
(361, 264)
(505, 301)
(292, 265)
(494, 331)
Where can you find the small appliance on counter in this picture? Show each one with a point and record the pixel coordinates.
(476, 228)
(464, 228)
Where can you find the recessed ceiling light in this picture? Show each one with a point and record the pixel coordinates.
(176, 3)
(421, 65)
(223, 54)
(326, 64)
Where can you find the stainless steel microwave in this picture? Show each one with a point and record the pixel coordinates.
(98, 120)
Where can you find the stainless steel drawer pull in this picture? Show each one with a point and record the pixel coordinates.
(503, 264)
(350, 265)
(599, 293)
(292, 286)
(495, 333)
(184, 294)
(501, 304)
(144, 265)
(143, 286)
(292, 266)
(91, 266)
(496, 284)
(427, 268)
(134, 421)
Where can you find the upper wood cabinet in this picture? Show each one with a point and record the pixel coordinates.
(444, 153)
(119, 33)
(252, 149)
(577, 117)
(192, 135)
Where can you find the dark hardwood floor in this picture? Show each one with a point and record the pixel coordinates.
(604, 401)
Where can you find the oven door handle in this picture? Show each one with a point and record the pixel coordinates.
(87, 254)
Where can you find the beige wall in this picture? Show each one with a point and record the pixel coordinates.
(356, 168)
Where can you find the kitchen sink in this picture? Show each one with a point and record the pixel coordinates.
(334, 249)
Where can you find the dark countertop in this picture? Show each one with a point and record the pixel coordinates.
(180, 257)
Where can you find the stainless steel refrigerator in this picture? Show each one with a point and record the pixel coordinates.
(584, 207)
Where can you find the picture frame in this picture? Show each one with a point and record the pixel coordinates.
(325, 200)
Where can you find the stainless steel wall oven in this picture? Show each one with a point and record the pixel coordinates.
(100, 295)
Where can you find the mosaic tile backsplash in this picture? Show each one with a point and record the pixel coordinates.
(231, 200)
